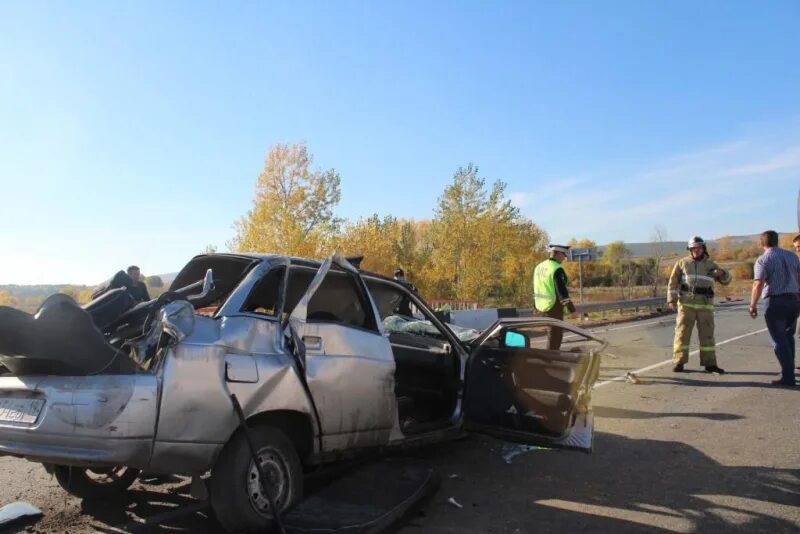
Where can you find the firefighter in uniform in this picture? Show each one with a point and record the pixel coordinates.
(691, 286)
(550, 294)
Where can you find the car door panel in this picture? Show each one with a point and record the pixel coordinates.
(349, 372)
(532, 395)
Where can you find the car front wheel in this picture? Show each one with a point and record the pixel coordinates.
(236, 496)
(96, 482)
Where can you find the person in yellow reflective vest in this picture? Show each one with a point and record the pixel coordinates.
(691, 287)
(550, 293)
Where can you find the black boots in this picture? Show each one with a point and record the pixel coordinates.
(678, 368)
(715, 369)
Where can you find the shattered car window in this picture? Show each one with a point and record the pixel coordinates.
(401, 316)
(407, 325)
(390, 301)
(265, 298)
(337, 300)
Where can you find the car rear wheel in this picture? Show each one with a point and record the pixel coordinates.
(236, 495)
(96, 482)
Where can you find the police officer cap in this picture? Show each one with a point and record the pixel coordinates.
(559, 248)
(399, 272)
(696, 241)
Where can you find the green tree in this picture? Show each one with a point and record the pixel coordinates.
(154, 281)
(293, 207)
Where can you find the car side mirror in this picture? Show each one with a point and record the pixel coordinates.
(208, 286)
(514, 339)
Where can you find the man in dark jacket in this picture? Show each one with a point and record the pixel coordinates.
(404, 308)
(138, 290)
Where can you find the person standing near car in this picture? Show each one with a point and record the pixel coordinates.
(777, 279)
(551, 293)
(139, 289)
(691, 289)
(796, 245)
(404, 307)
(400, 277)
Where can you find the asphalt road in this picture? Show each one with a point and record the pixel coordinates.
(673, 452)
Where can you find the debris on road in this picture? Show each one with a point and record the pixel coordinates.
(512, 451)
(454, 502)
(631, 378)
(18, 512)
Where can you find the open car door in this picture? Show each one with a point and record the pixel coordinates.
(518, 389)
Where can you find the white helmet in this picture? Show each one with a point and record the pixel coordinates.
(695, 241)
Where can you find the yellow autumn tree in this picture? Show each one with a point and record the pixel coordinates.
(292, 211)
(374, 238)
(582, 243)
(482, 249)
(7, 299)
(387, 243)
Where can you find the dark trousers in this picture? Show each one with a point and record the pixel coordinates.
(781, 314)
(555, 335)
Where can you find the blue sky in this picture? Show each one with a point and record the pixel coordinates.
(133, 132)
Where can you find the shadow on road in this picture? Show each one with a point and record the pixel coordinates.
(627, 485)
(712, 382)
(621, 413)
(142, 509)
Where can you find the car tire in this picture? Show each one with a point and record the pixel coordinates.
(236, 498)
(95, 483)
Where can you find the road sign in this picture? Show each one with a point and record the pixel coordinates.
(583, 254)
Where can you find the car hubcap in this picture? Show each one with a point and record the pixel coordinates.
(277, 482)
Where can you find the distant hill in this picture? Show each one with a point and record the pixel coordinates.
(16, 290)
(640, 250)
(45, 290)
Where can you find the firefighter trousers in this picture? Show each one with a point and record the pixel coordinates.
(688, 316)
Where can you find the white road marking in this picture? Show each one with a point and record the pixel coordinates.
(665, 362)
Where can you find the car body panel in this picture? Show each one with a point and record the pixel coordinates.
(343, 367)
(104, 418)
(196, 413)
(175, 416)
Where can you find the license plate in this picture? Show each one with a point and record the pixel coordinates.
(24, 411)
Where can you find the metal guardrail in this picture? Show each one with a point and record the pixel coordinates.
(484, 317)
(658, 302)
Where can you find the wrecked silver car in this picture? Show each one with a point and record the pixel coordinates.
(319, 355)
